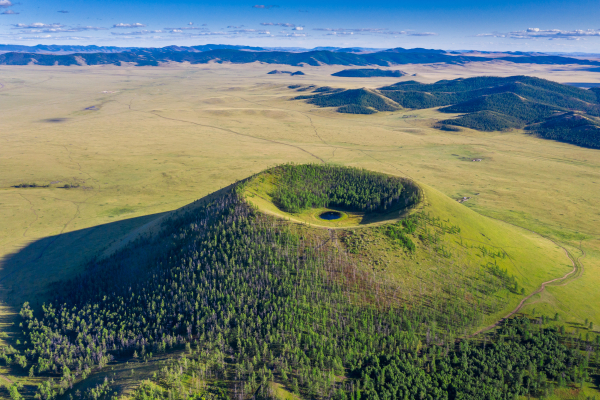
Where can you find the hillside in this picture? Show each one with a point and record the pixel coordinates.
(253, 304)
(570, 127)
(368, 73)
(488, 121)
(353, 101)
(497, 104)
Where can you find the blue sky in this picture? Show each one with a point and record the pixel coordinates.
(525, 25)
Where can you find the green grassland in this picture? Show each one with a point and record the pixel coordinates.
(170, 136)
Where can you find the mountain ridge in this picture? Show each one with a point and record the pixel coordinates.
(237, 55)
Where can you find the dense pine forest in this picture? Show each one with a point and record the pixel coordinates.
(314, 185)
(487, 104)
(255, 301)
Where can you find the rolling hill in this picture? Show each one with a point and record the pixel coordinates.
(368, 73)
(247, 294)
(354, 101)
(496, 104)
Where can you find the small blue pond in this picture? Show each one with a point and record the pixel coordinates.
(329, 215)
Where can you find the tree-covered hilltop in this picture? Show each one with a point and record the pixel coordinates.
(255, 300)
(569, 127)
(360, 98)
(490, 104)
(596, 90)
(534, 90)
(300, 187)
(508, 103)
(488, 121)
(368, 73)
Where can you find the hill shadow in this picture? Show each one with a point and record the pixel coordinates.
(26, 273)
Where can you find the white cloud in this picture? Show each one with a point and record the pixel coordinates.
(38, 25)
(265, 7)
(5, 3)
(537, 33)
(258, 32)
(422, 34)
(285, 34)
(58, 30)
(187, 28)
(52, 37)
(372, 30)
(135, 25)
(89, 28)
(182, 33)
(143, 32)
(284, 24)
(10, 12)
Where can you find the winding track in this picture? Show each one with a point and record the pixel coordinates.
(230, 131)
(544, 284)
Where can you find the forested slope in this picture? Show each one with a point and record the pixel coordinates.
(354, 101)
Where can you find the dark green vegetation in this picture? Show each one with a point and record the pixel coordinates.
(278, 72)
(522, 359)
(233, 54)
(570, 127)
(255, 301)
(368, 73)
(301, 187)
(353, 101)
(542, 107)
(486, 121)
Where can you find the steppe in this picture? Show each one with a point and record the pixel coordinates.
(133, 143)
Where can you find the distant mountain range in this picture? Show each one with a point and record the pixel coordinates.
(95, 55)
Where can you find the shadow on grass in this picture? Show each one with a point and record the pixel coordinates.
(26, 273)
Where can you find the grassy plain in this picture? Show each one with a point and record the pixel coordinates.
(166, 136)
